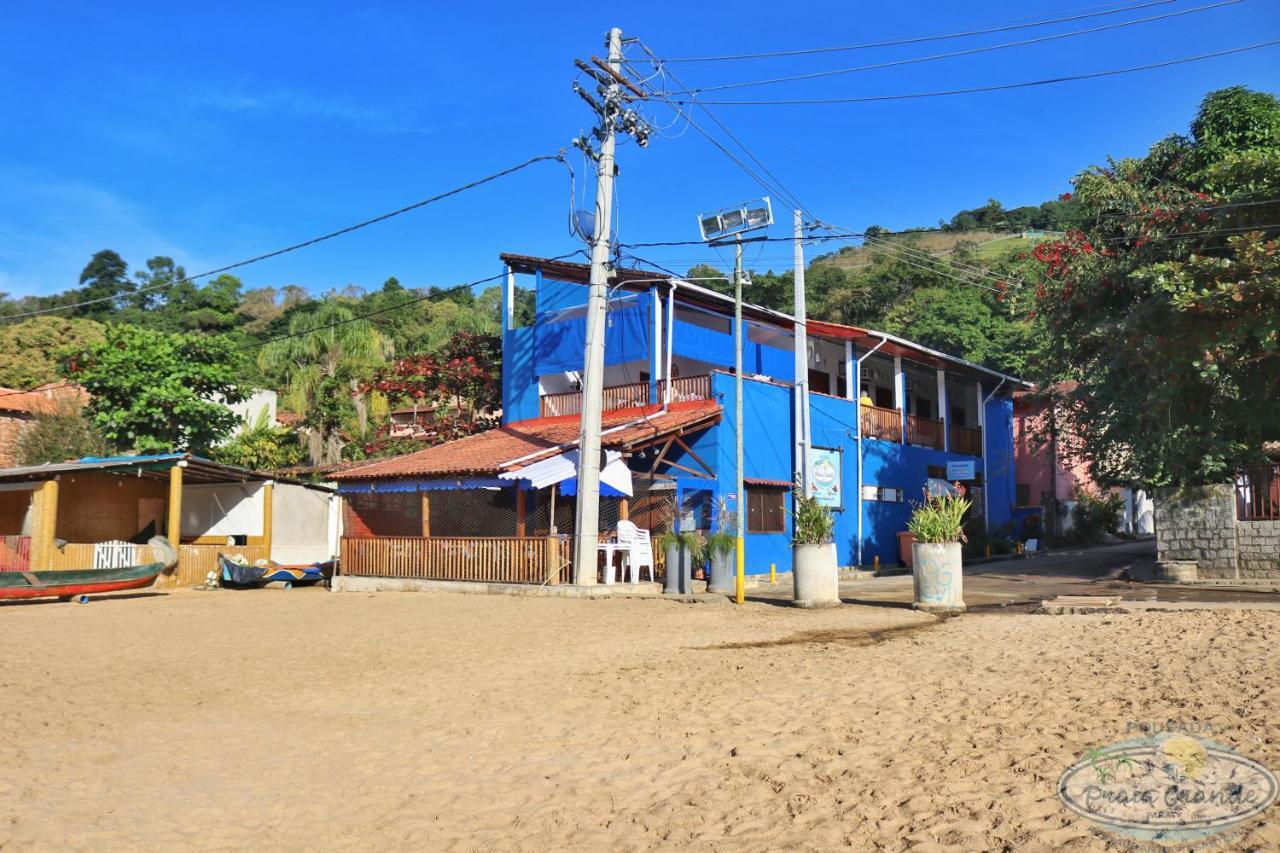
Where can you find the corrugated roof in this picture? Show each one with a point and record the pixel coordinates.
(493, 451)
(155, 466)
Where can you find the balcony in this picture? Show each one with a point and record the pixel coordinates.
(633, 395)
(884, 424)
(925, 432)
(966, 440)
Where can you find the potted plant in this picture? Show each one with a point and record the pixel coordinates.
(683, 552)
(937, 562)
(815, 575)
(722, 548)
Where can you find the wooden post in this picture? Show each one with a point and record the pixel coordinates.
(553, 559)
(426, 515)
(624, 510)
(520, 511)
(44, 526)
(175, 504)
(268, 513)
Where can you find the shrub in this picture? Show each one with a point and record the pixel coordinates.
(1096, 514)
(940, 518)
(814, 524)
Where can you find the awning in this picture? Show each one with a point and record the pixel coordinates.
(615, 476)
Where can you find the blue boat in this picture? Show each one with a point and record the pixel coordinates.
(240, 574)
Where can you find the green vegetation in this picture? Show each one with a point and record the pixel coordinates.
(814, 524)
(261, 447)
(58, 435)
(939, 518)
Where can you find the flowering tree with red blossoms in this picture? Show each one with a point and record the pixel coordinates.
(458, 388)
(1162, 315)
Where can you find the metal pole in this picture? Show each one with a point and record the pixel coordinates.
(741, 503)
(801, 384)
(587, 520)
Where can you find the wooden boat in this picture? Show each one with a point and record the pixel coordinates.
(68, 584)
(239, 574)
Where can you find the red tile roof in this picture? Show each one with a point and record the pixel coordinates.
(488, 452)
(44, 399)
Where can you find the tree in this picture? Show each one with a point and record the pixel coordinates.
(31, 351)
(323, 366)
(1165, 308)
(104, 277)
(261, 447)
(59, 434)
(154, 392)
(160, 276)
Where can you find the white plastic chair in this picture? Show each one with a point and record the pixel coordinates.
(610, 547)
(641, 554)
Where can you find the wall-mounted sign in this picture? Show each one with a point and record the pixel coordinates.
(825, 480)
(966, 470)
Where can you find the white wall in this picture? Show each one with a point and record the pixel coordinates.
(302, 524)
(224, 509)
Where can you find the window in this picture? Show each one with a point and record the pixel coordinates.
(842, 386)
(1023, 494)
(766, 509)
(937, 472)
(819, 381)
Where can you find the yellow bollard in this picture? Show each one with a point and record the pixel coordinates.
(875, 563)
(741, 585)
(773, 573)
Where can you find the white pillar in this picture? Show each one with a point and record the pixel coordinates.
(942, 409)
(509, 301)
(900, 395)
(850, 381)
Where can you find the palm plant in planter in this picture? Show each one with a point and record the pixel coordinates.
(937, 562)
(815, 576)
(722, 547)
(683, 550)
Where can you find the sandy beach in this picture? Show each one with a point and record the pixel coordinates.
(306, 720)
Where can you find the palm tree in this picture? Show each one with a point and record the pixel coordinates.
(323, 361)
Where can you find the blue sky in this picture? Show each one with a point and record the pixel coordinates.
(215, 134)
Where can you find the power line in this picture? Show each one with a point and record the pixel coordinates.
(919, 39)
(976, 89)
(313, 241)
(955, 54)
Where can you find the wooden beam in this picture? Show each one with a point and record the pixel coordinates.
(44, 525)
(426, 514)
(687, 449)
(662, 454)
(175, 505)
(520, 511)
(694, 471)
(624, 510)
(268, 513)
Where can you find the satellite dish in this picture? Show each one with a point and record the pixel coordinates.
(584, 225)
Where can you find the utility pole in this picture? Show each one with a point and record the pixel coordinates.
(740, 583)
(801, 384)
(614, 116)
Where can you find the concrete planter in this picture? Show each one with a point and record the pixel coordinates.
(679, 572)
(723, 573)
(937, 571)
(815, 575)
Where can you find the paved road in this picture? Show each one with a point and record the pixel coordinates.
(1027, 582)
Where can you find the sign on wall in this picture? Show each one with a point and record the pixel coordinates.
(965, 470)
(825, 479)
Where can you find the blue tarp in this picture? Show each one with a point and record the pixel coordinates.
(385, 486)
(560, 339)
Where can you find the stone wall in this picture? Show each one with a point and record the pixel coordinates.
(1198, 528)
(1259, 547)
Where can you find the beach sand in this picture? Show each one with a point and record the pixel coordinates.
(304, 720)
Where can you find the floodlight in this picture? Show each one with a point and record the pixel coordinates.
(738, 219)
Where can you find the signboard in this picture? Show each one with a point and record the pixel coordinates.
(825, 477)
(965, 470)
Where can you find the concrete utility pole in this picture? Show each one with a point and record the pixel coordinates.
(587, 517)
(801, 385)
(740, 584)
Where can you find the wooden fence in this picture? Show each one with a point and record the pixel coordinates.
(966, 440)
(683, 388)
(499, 559)
(881, 423)
(194, 561)
(924, 432)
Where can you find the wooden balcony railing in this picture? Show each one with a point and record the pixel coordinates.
(499, 559)
(628, 396)
(966, 440)
(881, 423)
(924, 432)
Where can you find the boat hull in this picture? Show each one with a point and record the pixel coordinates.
(14, 585)
(235, 573)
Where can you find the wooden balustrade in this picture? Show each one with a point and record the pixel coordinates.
(924, 432)
(966, 440)
(881, 423)
(628, 396)
(505, 559)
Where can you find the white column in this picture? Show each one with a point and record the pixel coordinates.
(509, 301)
(943, 414)
(900, 395)
(850, 381)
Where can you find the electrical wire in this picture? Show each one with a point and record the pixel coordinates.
(955, 54)
(919, 39)
(977, 89)
(304, 244)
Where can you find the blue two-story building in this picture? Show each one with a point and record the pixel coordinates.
(887, 416)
